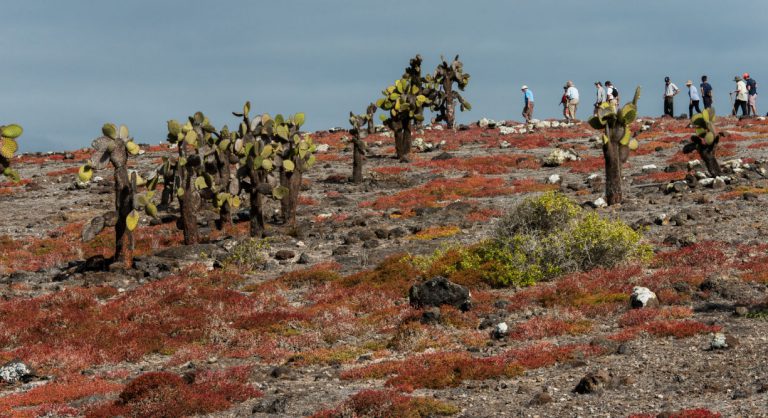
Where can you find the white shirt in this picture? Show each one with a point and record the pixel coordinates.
(693, 93)
(741, 91)
(671, 90)
(572, 93)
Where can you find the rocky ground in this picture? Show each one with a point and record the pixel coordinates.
(313, 337)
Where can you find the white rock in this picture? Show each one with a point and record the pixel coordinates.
(718, 341)
(733, 164)
(593, 176)
(693, 164)
(506, 130)
(483, 123)
(701, 175)
(501, 330)
(554, 179)
(324, 215)
(438, 127)
(555, 124)
(642, 297)
(761, 118)
(14, 371)
(98, 179)
(706, 182)
(322, 148)
(558, 156)
(649, 168)
(600, 203)
(504, 144)
(300, 244)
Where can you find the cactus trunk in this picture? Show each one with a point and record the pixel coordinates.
(707, 154)
(289, 202)
(187, 209)
(123, 206)
(256, 212)
(450, 105)
(613, 158)
(403, 142)
(357, 163)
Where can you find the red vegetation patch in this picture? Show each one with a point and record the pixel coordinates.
(391, 170)
(685, 413)
(662, 177)
(709, 254)
(57, 393)
(586, 165)
(484, 215)
(436, 192)
(168, 395)
(63, 172)
(490, 164)
(435, 371)
(387, 403)
(532, 186)
(546, 354)
(543, 327)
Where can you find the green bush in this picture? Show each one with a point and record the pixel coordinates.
(544, 237)
(248, 255)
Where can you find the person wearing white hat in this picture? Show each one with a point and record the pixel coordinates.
(693, 98)
(528, 103)
(741, 97)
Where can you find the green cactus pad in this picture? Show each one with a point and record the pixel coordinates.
(288, 165)
(11, 174)
(132, 148)
(200, 183)
(633, 144)
(84, 173)
(279, 192)
(11, 131)
(627, 136)
(709, 138)
(123, 132)
(174, 128)
(132, 220)
(595, 123)
(8, 147)
(109, 130)
(151, 209)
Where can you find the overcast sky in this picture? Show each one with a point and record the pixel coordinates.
(66, 67)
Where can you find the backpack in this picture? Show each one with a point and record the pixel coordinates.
(615, 93)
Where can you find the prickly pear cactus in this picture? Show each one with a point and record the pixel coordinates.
(617, 142)
(8, 147)
(114, 147)
(445, 97)
(705, 140)
(405, 101)
(360, 148)
(268, 146)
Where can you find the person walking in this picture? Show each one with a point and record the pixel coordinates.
(564, 103)
(572, 93)
(670, 91)
(706, 92)
(528, 104)
(741, 97)
(613, 94)
(693, 98)
(601, 96)
(752, 95)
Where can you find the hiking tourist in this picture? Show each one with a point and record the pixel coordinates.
(670, 91)
(741, 97)
(706, 92)
(693, 98)
(752, 95)
(601, 96)
(572, 94)
(564, 103)
(613, 94)
(528, 104)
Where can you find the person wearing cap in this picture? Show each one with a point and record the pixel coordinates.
(572, 93)
(613, 94)
(693, 98)
(751, 94)
(528, 104)
(601, 96)
(706, 92)
(670, 91)
(741, 97)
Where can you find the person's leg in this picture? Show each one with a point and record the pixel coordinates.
(690, 110)
(696, 105)
(667, 107)
(752, 104)
(707, 102)
(525, 112)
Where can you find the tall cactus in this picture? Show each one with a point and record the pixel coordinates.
(617, 142)
(369, 112)
(358, 154)
(705, 140)
(265, 145)
(114, 146)
(188, 166)
(8, 147)
(445, 98)
(405, 100)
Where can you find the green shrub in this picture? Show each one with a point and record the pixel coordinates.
(544, 237)
(248, 255)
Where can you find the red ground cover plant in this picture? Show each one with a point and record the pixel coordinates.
(484, 215)
(684, 413)
(437, 192)
(387, 403)
(169, 395)
(391, 170)
(543, 327)
(586, 165)
(62, 172)
(661, 177)
(758, 145)
(55, 395)
(489, 164)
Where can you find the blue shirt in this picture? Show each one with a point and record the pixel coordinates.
(706, 89)
(528, 96)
